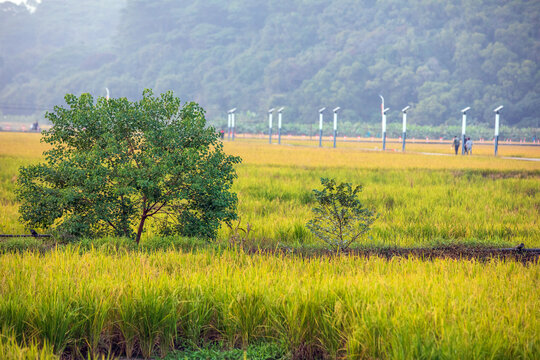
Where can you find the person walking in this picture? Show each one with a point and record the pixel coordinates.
(468, 146)
(456, 144)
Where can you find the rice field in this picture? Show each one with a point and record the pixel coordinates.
(422, 200)
(83, 302)
(345, 307)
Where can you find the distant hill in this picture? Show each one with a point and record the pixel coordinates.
(438, 56)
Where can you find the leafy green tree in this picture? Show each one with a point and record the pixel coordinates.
(114, 164)
(340, 218)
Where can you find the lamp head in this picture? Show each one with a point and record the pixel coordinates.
(385, 110)
(271, 110)
(281, 109)
(466, 109)
(336, 109)
(322, 109)
(405, 108)
(232, 110)
(498, 109)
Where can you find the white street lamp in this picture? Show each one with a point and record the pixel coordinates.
(229, 117)
(335, 124)
(463, 128)
(270, 125)
(320, 125)
(383, 115)
(232, 129)
(497, 111)
(107, 96)
(404, 111)
(279, 124)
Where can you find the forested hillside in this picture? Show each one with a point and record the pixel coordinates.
(438, 56)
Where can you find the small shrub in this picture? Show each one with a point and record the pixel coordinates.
(340, 218)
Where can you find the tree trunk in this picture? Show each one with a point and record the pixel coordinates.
(140, 229)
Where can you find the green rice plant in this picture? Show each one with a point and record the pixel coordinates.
(127, 320)
(197, 316)
(10, 349)
(295, 321)
(14, 317)
(148, 317)
(245, 317)
(93, 313)
(53, 321)
(332, 327)
(155, 320)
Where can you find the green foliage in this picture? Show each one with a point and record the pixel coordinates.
(19, 244)
(340, 218)
(115, 163)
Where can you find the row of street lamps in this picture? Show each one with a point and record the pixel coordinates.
(231, 125)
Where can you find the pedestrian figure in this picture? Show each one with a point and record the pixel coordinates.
(456, 144)
(468, 146)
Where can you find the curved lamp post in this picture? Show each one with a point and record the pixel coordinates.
(383, 115)
(384, 128)
(335, 124)
(270, 125)
(404, 111)
(496, 140)
(279, 124)
(229, 125)
(463, 128)
(231, 129)
(320, 125)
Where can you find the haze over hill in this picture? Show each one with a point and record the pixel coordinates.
(438, 56)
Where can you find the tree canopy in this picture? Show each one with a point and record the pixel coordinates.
(439, 56)
(113, 164)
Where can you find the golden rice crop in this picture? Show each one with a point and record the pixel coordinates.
(338, 306)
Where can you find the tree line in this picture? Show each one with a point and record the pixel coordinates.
(438, 56)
